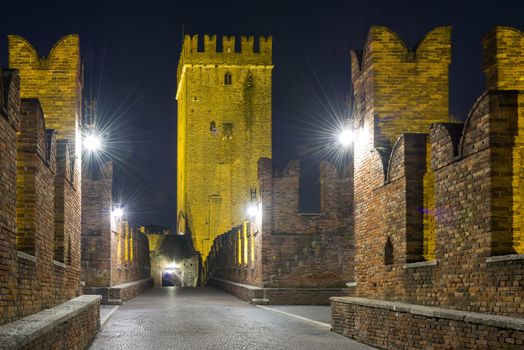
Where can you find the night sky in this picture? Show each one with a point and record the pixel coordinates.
(130, 51)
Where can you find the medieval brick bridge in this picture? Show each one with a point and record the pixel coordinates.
(206, 318)
(419, 241)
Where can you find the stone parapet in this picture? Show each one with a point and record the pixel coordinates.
(406, 325)
(116, 295)
(71, 325)
(277, 296)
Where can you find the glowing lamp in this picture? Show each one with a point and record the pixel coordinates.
(118, 212)
(92, 143)
(346, 137)
(252, 211)
(171, 266)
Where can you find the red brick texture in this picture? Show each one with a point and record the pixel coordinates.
(113, 251)
(388, 329)
(475, 268)
(39, 256)
(284, 250)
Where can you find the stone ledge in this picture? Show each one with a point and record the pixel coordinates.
(25, 256)
(351, 284)
(59, 264)
(119, 293)
(130, 284)
(238, 284)
(501, 258)
(17, 334)
(514, 323)
(419, 264)
(277, 295)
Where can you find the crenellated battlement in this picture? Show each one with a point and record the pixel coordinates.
(398, 89)
(197, 47)
(200, 50)
(279, 189)
(46, 77)
(503, 58)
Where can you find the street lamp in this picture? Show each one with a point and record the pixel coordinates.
(118, 212)
(346, 137)
(252, 210)
(92, 142)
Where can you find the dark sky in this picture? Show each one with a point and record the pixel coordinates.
(131, 49)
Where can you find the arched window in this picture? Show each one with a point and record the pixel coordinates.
(228, 78)
(213, 127)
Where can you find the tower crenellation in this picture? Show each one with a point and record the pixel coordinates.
(204, 50)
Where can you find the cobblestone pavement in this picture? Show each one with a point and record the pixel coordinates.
(206, 318)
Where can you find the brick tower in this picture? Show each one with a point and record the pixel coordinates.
(224, 128)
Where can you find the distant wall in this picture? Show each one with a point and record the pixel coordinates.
(284, 248)
(113, 251)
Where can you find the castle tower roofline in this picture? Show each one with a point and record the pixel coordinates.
(203, 51)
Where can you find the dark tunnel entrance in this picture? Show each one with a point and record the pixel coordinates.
(171, 277)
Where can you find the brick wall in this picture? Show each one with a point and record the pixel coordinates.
(113, 251)
(474, 171)
(40, 177)
(97, 183)
(9, 125)
(282, 248)
(414, 327)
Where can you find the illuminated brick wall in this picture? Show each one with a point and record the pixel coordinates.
(97, 237)
(42, 246)
(459, 180)
(283, 248)
(224, 127)
(113, 251)
(504, 69)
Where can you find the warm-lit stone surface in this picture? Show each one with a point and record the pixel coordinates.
(224, 127)
(205, 318)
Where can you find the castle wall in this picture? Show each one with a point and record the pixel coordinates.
(224, 127)
(286, 252)
(42, 243)
(474, 273)
(113, 251)
(97, 240)
(9, 125)
(36, 276)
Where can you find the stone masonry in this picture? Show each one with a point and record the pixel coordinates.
(224, 127)
(40, 212)
(282, 256)
(113, 251)
(438, 248)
